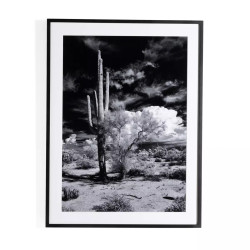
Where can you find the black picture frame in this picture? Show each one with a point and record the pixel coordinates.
(199, 132)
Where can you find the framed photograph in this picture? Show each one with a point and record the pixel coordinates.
(124, 105)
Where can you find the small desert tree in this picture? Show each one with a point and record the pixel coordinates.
(127, 129)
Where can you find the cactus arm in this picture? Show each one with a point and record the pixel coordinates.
(89, 112)
(100, 93)
(107, 93)
(96, 104)
(99, 58)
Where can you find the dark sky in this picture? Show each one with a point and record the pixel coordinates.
(144, 71)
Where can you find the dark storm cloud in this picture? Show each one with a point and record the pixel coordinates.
(168, 49)
(67, 131)
(144, 71)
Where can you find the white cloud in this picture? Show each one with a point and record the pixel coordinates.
(96, 44)
(153, 90)
(117, 104)
(129, 80)
(180, 96)
(129, 72)
(173, 83)
(153, 65)
(69, 83)
(121, 104)
(166, 48)
(174, 131)
(129, 75)
(140, 75)
(116, 84)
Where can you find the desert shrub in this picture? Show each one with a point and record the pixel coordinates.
(177, 163)
(173, 163)
(182, 163)
(143, 155)
(90, 148)
(183, 155)
(76, 157)
(179, 205)
(178, 174)
(164, 174)
(157, 160)
(134, 172)
(69, 193)
(141, 169)
(159, 152)
(67, 157)
(86, 164)
(150, 152)
(67, 209)
(122, 167)
(117, 166)
(150, 165)
(175, 154)
(90, 151)
(152, 178)
(108, 156)
(114, 204)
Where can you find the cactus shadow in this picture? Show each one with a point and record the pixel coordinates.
(93, 179)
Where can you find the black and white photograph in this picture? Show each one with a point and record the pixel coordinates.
(124, 124)
(124, 131)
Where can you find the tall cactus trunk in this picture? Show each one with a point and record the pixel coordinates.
(101, 153)
(99, 111)
(101, 140)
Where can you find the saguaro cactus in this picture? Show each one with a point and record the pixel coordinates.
(100, 114)
(107, 92)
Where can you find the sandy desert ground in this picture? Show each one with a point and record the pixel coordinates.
(150, 190)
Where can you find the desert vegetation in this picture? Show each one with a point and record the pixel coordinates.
(114, 204)
(179, 205)
(158, 169)
(122, 166)
(69, 193)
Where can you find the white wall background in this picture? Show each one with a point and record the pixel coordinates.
(226, 168)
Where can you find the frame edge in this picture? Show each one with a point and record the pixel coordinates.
(48, 126)
(200, 93)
